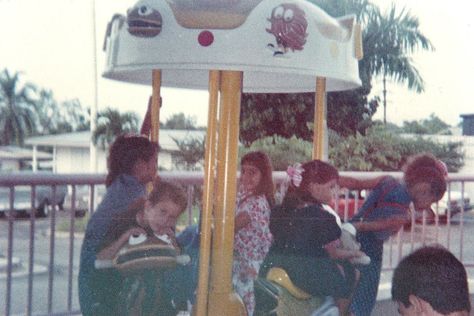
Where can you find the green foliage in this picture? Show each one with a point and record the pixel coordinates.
(283, 151)
(180, 121)
(450, 153)
(280, 114)
(17, 112)
(376, 151)
(27, 110)
(350, 111)
(190, 155)
(54, 118)
(111, 123)
(382, 150)
(431, 125)
(80, 224)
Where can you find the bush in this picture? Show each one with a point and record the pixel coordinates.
(383, 150)
(282, 151)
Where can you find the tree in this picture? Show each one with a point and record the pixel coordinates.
(431, 125)
(111, 123)
(279, 114)
(17, 115)
(76, 115)
(375, 151)
(395, 36)
(388, 39)
(382, 150)
(451, 152)
(190, 155)
(180, 121)
(54, 118)
(282, 151)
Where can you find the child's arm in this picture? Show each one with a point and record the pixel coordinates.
(241, 220)
(335, 252)
(109, 252)
(394, 223)
(359, 184)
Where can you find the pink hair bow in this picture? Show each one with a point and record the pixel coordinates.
(295, 174)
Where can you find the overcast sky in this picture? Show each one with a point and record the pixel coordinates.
(51, 42)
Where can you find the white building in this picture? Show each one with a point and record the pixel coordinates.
(71, 151)
(13, 158)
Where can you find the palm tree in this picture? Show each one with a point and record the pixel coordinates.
(17, 115)
(111, 123)
(389, 41)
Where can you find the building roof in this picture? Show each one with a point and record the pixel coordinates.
(18, 153)
(83, 139)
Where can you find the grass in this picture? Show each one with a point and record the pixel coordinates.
(80, 223)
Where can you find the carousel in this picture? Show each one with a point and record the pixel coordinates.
(228, 47)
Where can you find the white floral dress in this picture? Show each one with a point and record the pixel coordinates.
(251, 245)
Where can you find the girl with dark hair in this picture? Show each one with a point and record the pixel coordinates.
(306, 236)
(385, 211)
(125, 156)
(252, 234)
(132, 162)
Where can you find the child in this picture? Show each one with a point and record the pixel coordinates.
(252, 234)
(385, 211)
(306, 236)
(154, 217)
(131, 163)
(431, 281)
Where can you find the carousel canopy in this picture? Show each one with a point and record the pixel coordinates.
(281, 46)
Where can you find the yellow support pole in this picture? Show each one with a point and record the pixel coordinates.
(222, 299)
(319, 118)
(208, 194)
(155, 105)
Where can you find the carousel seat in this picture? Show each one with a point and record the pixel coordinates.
(147, 253)
(277, 295)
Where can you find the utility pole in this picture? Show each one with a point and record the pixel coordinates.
(384, 91)
(93, 115)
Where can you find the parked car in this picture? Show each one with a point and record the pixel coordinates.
(44, 199)
(457, 201)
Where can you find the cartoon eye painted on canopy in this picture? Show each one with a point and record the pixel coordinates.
(144, 10)
(144, 21)
(278, 12)
(288, 15)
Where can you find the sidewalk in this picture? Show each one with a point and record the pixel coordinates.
(19, 269)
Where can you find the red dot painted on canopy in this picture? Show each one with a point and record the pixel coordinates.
(205, 38)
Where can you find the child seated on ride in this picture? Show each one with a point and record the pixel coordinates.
(306, 237)
(142, 289)
(252, 234)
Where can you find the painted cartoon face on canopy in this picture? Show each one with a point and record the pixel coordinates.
(144, 21)
(288, 25)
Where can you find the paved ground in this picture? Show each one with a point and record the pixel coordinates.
(384, 307)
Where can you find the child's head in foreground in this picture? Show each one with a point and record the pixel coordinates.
(431, 281)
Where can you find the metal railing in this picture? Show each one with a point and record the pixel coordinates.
(52, 290)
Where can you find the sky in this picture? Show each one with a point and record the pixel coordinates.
(51, 42)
